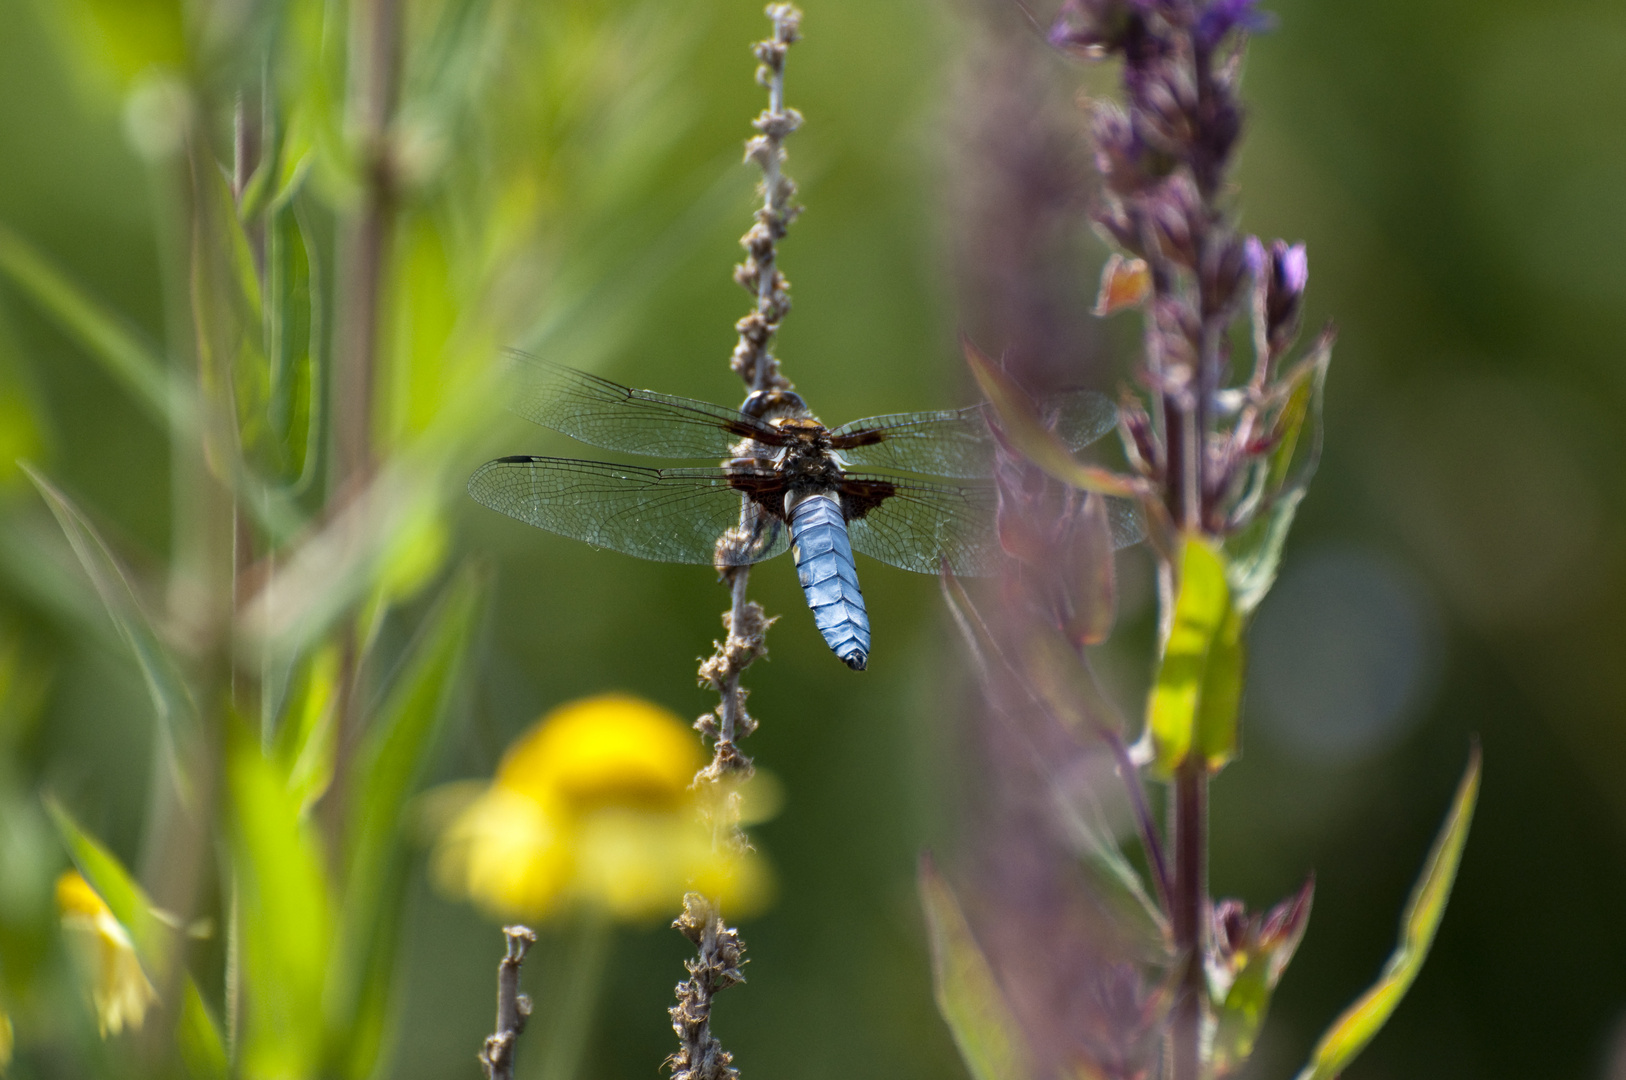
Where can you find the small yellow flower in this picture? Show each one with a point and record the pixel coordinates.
(593, 806)
(118, 987)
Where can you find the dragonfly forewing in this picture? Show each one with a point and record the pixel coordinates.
(604, 413)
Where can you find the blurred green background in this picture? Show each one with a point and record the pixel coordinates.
(1459, 172)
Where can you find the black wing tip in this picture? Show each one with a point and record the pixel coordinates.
(515, 458)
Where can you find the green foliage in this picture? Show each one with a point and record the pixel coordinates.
(105, 336)
(123, 895)
(968, 995)
(1255, 552)
(389, 765)
(1350, 1033)
(1192, 708)
(1247, 965)
(171, 698)
(197, 1036)
(282, 919)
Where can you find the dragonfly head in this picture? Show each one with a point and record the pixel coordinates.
(774, 405)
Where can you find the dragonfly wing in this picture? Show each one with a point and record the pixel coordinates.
(915, 524)
(958, 442)
(947, 443)
(667, 515)
(1081, 416)
(605, 413)
(1124, 517)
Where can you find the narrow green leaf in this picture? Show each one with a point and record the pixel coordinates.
(968, 996)
(114, 884)
(286, 917)
(289, 326)
(391, 761)
(1255, 552)
(104, 335)
(1254, 969)
(1020, 423)
(1350, 1033)
(1194, 698)
(308, 738)
(198, 1038)
(170, 697)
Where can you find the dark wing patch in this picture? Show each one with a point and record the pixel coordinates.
(667, 515)
(605, 413)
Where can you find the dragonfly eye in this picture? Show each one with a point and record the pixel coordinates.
(777, 403)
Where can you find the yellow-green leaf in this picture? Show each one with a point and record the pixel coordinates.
(1350, 1033)
(1194, 699)
(114, 884)
(197, 1037)
(286, 917)
(967, 994)
(1021, 425)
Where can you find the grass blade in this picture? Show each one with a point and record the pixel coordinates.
(171, 698)
(1351, 1032)
(967, 994)
(388, 768)
(116, 346)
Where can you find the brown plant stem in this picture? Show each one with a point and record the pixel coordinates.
(700, 1056)
(363, 258)
(513, 1007)
(1189, 828)
(716, 967)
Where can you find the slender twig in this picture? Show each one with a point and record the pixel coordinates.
(721, 953)
(513, 1007)
(700, 1056)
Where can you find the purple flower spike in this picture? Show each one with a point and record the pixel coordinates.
(1223, 16)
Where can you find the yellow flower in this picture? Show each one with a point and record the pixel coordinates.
(118, 987)
(593, 806)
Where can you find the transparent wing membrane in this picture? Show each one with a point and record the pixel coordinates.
(666, 515)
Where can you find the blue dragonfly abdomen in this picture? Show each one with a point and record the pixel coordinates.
(824, 565)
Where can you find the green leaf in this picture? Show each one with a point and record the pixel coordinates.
(290, 346)
(1350, 1033)
(106, 336)
(198, 1039)
(1255, 551)
(115, 885)
(967, 994)
(1195, 697)
(1253, 966)
(286, 916)
(388, 769)
(171, 699)
(1021, 425)
(308, 738)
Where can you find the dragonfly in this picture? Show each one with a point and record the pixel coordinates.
(912, 490)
